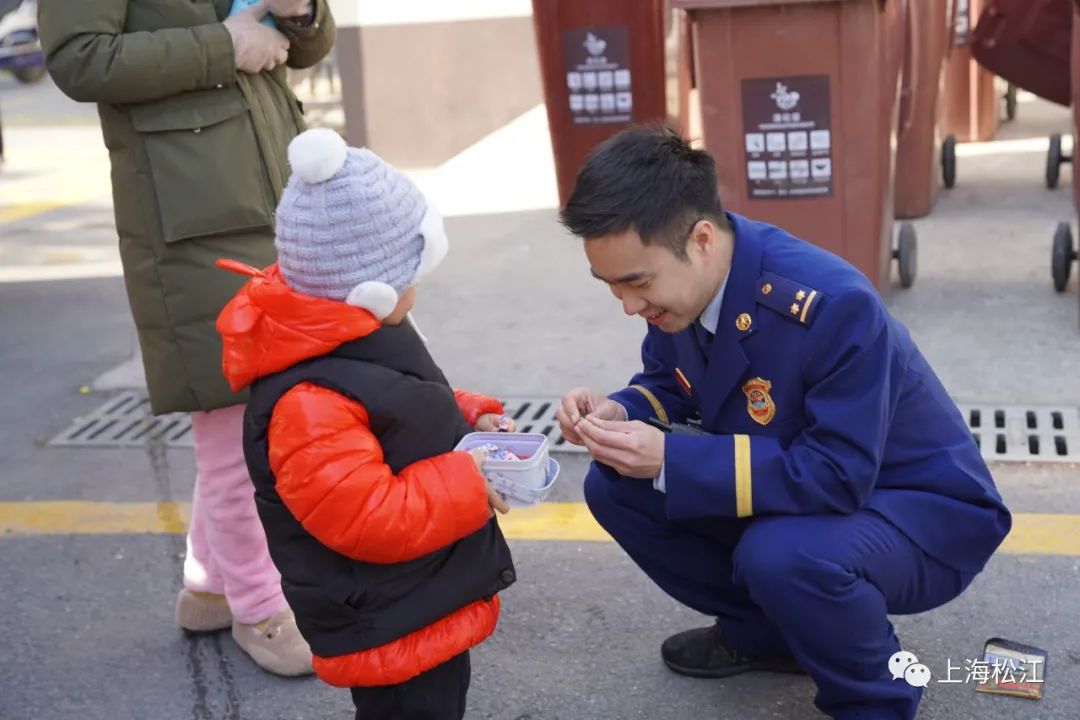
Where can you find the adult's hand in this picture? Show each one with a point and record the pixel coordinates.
(257, 47)
(633, 449)
(580, 402)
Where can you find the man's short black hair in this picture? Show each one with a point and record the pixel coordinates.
(649, 179)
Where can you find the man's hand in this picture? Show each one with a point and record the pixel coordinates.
(256, 47)
(493, 422)
(633, 449)
(580, 402)
(289, 8)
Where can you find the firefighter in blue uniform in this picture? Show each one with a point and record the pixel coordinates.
(786, 460)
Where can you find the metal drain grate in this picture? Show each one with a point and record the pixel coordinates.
(1009, 433)
(537, 414)
(1025, 433)
(125, 421)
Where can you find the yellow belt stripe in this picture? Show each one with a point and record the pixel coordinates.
(661, 414)
(744, 503)
(806, 307)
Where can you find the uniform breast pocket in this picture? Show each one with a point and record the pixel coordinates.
(205, 163)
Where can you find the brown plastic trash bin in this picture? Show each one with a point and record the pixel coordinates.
(1027, 42)
(1063, 252)
(602, 63)
(970, 104)
(798, 104)
(684, 73)
(918, 160)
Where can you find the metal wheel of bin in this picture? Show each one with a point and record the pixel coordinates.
(1054, 159)
(1062, 255)
(948, 161)
(1010, 102)
(907, 254)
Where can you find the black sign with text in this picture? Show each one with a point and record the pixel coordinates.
(787, 137)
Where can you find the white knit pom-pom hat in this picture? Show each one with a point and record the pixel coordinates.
(351, 227)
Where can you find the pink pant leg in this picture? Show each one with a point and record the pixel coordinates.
(230, 526)
(201, 572)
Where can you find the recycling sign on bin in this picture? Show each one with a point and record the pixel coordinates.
(787, 136)
(598, 74)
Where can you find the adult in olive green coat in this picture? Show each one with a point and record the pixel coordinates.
(197, 116)
(198, 164)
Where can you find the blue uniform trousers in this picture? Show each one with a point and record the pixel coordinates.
(817, 587)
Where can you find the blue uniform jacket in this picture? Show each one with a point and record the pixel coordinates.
(819, 402)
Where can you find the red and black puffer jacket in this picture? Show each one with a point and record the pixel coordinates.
(387, 549)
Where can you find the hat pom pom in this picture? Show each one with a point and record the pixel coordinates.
(378, 298)
(317, 155)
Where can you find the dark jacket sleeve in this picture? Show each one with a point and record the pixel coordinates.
(92, 59)
(654, 392)
(853, 379)
(310, 43)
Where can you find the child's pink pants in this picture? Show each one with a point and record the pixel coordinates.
(226, 544)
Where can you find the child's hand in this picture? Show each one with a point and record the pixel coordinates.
(495, 500)
(493, 422)
(478, 456)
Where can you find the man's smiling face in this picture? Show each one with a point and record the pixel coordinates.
(653, 282)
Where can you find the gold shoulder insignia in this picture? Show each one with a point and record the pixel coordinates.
(795, 301)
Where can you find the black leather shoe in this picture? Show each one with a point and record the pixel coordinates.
(704, 653)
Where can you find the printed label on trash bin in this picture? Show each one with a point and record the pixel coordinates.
(963, 21)
(598, 74)
(787, 137)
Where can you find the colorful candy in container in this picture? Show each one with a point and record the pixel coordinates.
(494, 452)
(518, 464)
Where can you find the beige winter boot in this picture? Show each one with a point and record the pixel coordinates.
(201, 612)
(275, 644)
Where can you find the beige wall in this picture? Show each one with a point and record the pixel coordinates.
(420, 92)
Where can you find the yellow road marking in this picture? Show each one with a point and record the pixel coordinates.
(11, 213)
(1032, 533)
(93, 518)
(553, 521)
(1043, 534)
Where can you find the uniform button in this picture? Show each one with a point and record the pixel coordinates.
(220, 86)
(508, 576)
(197, 130)
(765, 289)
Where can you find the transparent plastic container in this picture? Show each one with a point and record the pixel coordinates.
(523, 483)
